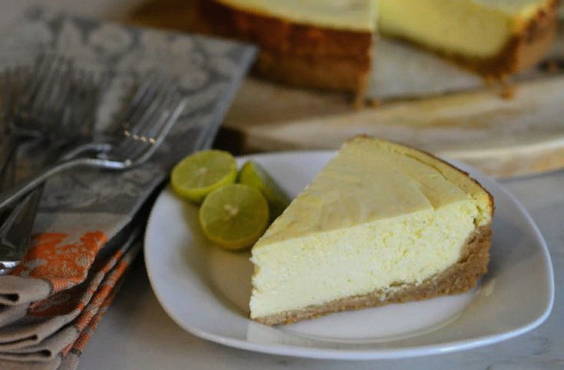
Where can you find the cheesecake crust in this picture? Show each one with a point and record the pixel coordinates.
(459, 278)
(296, 54)
(291, 53)
(312, 71)
(285, 36)
(535, 40)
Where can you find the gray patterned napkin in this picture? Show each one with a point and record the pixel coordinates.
(85, 236)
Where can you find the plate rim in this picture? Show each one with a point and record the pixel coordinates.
(364, 354)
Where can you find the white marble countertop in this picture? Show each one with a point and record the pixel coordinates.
(137, 334)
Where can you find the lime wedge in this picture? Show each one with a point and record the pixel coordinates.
(201, 173)
(254, 175)
(234, 216)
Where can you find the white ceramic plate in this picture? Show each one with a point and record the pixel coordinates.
(206, 290)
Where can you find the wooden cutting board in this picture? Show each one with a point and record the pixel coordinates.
(427, 103)
(423, 106)
(502, 137)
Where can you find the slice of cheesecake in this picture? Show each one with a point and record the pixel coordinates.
(381, 223)
(493, 37)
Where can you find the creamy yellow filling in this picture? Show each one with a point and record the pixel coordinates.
(326, 266)
(474, 28)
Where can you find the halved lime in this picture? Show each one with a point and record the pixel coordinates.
(254, 175)
(201, 173)
(234, 216)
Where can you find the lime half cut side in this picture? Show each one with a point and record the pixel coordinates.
(201, 173)
(254, 175)
(234, 216)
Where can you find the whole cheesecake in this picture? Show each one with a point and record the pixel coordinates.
(332, 44)
(381, 223)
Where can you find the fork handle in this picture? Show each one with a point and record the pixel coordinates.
(16, 230)
(17, 225)
(25, 187)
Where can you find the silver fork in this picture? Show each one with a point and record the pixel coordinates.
(153, 110)
(39, 103)
(31, 98)
(54, 103)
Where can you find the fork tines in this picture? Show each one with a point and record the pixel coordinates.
(52, 93)
(154, 108)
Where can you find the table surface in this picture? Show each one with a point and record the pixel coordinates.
(137, 334)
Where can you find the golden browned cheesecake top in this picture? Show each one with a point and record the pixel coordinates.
(371, 180)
